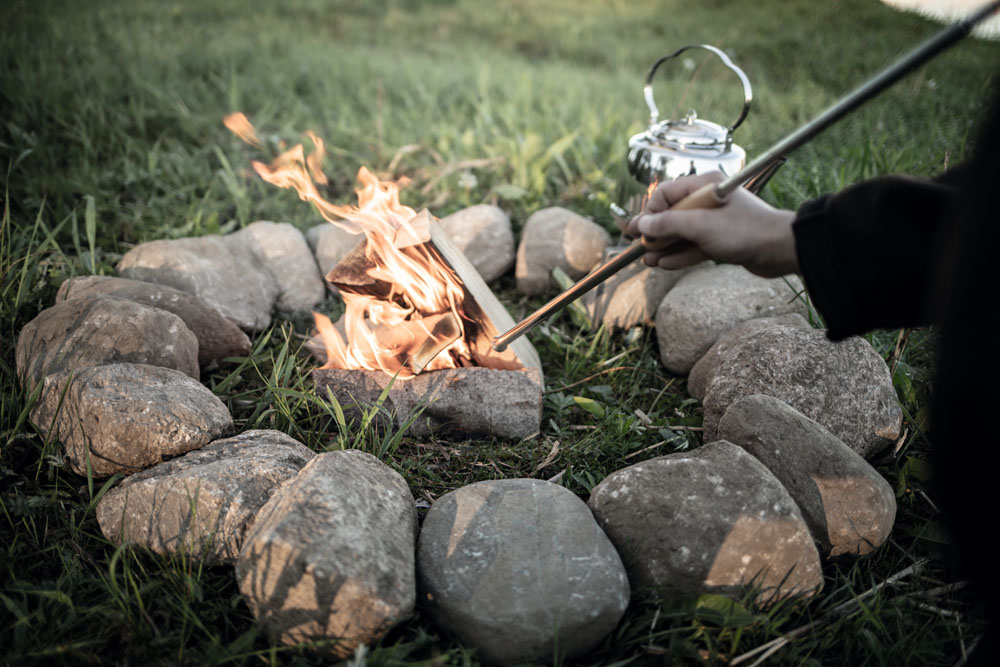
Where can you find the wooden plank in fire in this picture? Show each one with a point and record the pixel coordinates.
(487, 315)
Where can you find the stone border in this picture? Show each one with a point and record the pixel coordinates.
(600, 505)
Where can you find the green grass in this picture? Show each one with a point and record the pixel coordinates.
(111, 134)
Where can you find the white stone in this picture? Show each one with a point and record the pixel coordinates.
(484, 235)
(283, 250)
(557, 237)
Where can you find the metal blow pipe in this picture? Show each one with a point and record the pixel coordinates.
(714, 195)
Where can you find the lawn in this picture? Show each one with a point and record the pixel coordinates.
(111, 134)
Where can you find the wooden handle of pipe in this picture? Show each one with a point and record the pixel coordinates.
(706, 196)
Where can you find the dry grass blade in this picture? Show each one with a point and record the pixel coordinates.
(768, 649)
(595, 375)
(934, 609)
(451, 168)
(966, 651)
(944, 590)
(548, 460)
(643, 417)
(646, 449)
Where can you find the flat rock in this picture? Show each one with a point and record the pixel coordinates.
(99, 330)
(708, 302)
(330, 243)
(464, 401)
(520, 571)
(202, 503)
(557, 237)
(217, 337)
(845, 386)
(283, 250)
(849, 506)
(629, 297)
(712, 520)
(484, 235)
(704, 370)
(222, 271)
(331, 555)
(132, 415)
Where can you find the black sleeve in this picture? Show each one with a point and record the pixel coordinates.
(868, 253)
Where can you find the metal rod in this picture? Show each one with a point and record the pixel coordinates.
(587, 283)
(875, 85)
(888, 76)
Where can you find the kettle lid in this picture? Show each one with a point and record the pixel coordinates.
(691, 133)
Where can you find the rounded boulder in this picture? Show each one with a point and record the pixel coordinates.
(557, 237)
(520, 570)
(484, 235)
(712, 520)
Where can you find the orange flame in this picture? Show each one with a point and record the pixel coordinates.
(381, 332)
(240, 125)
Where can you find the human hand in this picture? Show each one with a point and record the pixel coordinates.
(743, 230)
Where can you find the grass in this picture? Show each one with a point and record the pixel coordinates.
(111, 135)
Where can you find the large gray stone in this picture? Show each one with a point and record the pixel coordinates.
(557, 237)
(330, 243)
(703, 371)
(464, 401)
(283, 250)
(102, 330)
(631, 296)
(712, 520)
(222, 271)
(709, 301)
(849, 506)
(520, 571)
(201, 504)
(127, 417)
(844, 386)
(331, 555)
(217, 337)
(484, 235)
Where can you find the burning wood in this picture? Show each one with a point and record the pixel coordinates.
(480, 316)
(414, 343)
(414, 303)
(438, 332)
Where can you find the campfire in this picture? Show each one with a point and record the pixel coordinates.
(413, 305)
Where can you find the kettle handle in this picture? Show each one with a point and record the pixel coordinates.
(647, 90)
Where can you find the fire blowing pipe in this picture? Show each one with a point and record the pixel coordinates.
(714, 195)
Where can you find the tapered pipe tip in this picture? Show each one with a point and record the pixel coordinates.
(498, 345)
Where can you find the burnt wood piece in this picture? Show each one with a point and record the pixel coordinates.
(456, 401)
(444, 331)
(351, 274)
(414, 342)
(486, 316)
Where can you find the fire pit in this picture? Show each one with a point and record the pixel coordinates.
(419, 319)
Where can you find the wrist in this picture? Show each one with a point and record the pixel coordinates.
(778, 256)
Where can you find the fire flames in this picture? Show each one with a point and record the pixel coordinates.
(415, 320)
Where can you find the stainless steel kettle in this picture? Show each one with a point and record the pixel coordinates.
(690, 145)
